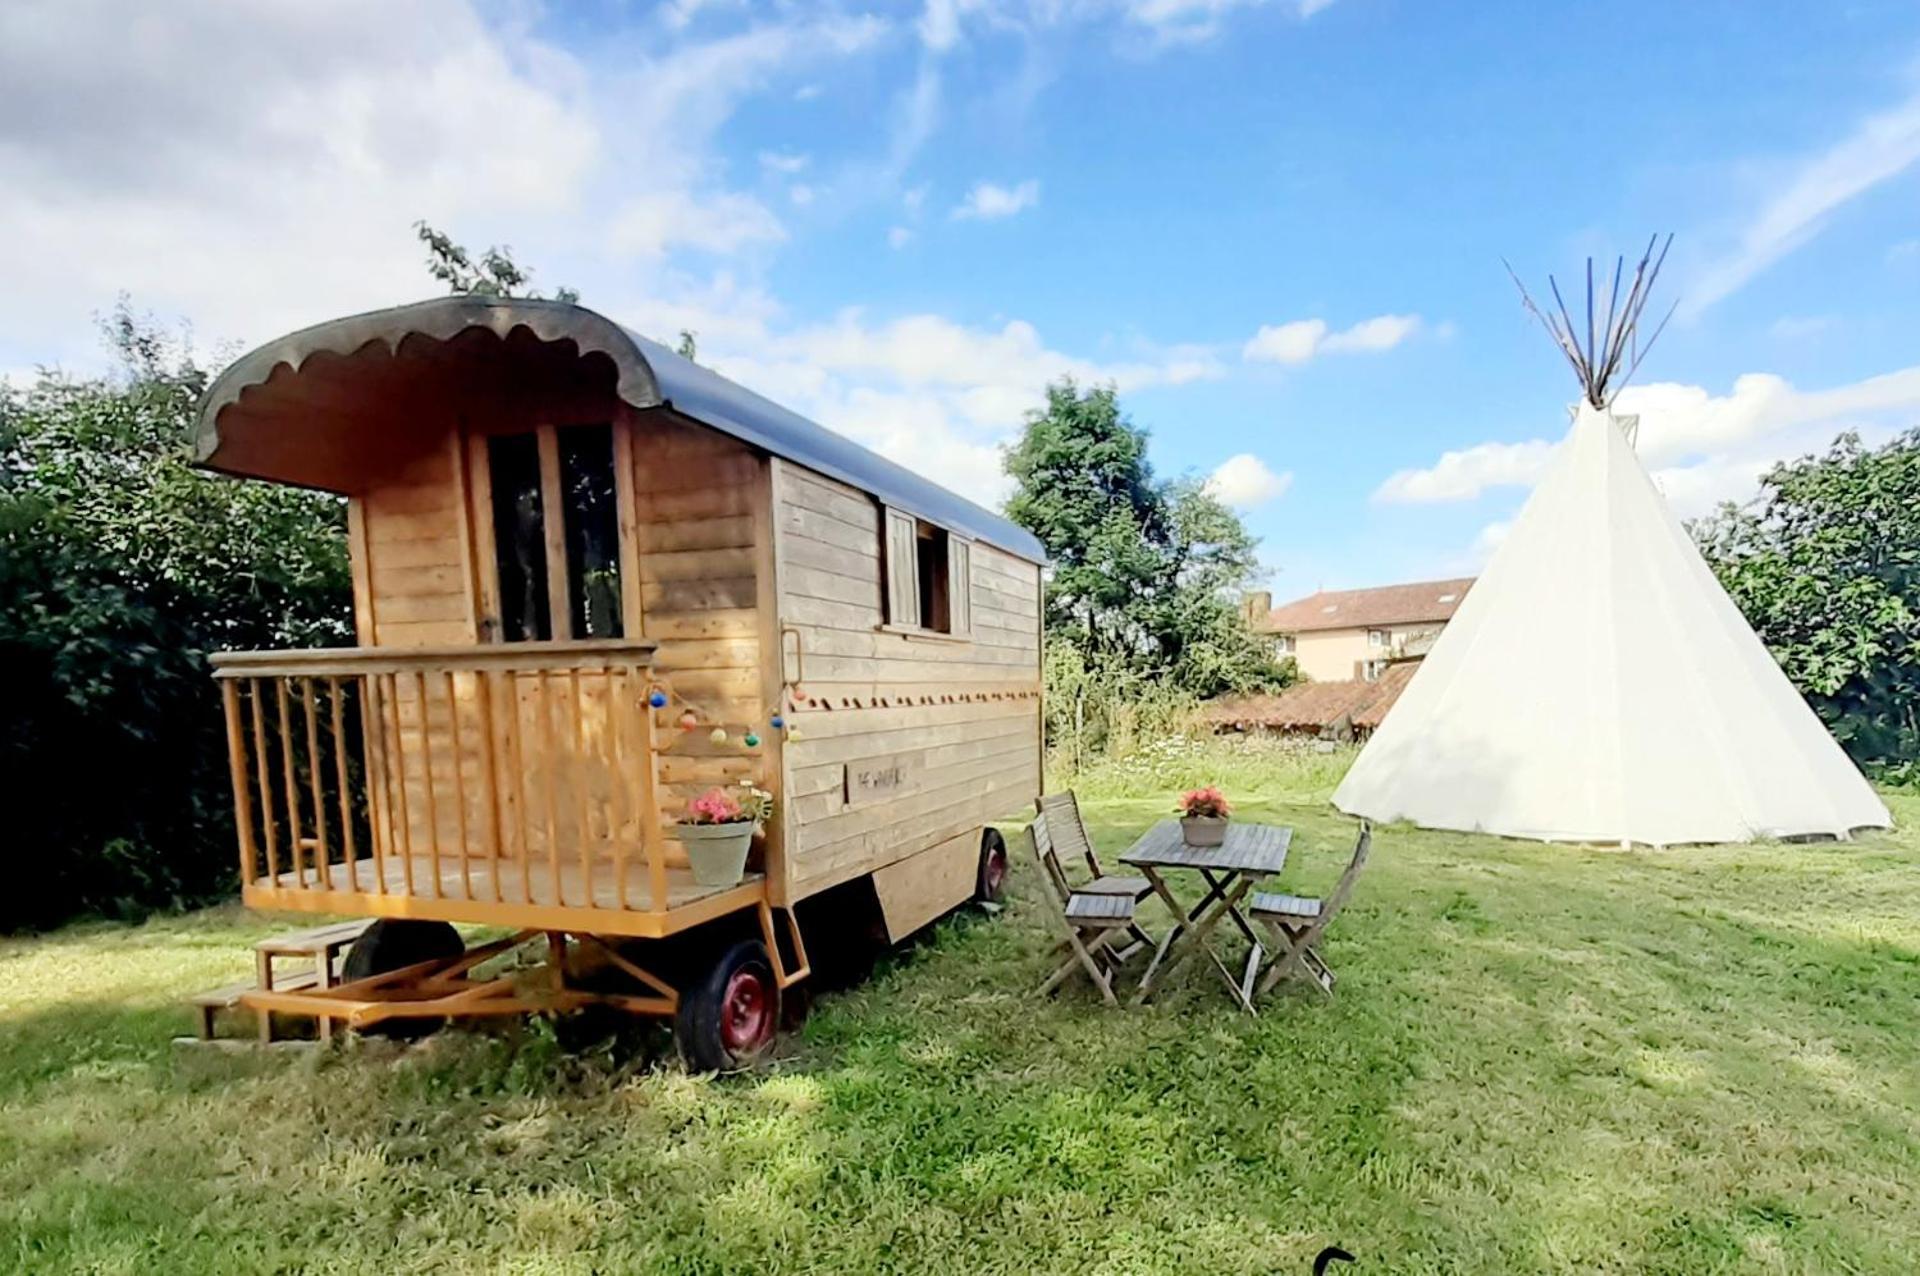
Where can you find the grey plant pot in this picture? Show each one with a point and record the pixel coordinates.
(717, 853)
(1203, 830)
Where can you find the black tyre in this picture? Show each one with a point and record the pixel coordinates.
(728, 1016)
(991, 882)
(394, 944)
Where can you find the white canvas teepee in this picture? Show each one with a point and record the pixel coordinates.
(1598, 685)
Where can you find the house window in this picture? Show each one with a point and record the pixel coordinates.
(1283, 643)
(1371, 670)
(1376, 637)
(928, 576)
(555, 521)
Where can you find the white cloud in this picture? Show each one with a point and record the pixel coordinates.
(258, 176)
(1244, 481)
(940, 25)
(1192, 21)
(261, 173)
(1700, 447)
(1294, 342)
(1801, 327)
(801, 194)
(937, 396)
(652, 224)
(1303, 339)
(1463, 475)
(899, 237)
(1490, 538)
(989, 200)
(1383, 332)
(785, 163)
(1880, 147)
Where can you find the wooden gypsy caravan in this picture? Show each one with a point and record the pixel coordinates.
(593, 579)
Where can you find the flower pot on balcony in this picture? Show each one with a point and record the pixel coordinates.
(717, 853)
(1203, 830)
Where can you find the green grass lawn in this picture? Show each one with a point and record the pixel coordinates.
(1540, 1059)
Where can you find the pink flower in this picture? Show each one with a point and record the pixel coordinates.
(1207, 803)
(715, 806)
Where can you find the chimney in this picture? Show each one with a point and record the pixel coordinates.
(1256, 607)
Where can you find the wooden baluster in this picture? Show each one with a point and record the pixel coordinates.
(350, 854)
(237, 768)
(459, 784)
(552, 784)
(651, 834)
(266, 785)
(323, 875)
(582, 798)
(489, 771)
(619, 686)
(397, 772)
(426, 771)
(373, 748)
(517, 768)
(293, 789)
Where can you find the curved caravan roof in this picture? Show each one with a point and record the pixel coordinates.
(648, 375)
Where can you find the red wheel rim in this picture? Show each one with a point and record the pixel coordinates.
(746, 1012)
(996, 870)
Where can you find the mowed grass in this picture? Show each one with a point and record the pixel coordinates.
(1540, 1059)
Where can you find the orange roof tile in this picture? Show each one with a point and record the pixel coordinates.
(1421, 601)
(1309, 706)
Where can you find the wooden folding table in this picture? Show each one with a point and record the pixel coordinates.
(1250, 853)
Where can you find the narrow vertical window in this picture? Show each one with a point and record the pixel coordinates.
(592, 530)
(932, 578)
(519, 537)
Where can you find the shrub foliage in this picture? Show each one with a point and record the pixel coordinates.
(1825, 564)
(121, 567)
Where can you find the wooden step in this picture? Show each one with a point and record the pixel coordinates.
(312, 943)
(227, 997)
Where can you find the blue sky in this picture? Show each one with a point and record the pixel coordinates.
(1278, 227)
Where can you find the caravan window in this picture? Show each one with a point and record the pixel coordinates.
(555, 516)
(928, 576)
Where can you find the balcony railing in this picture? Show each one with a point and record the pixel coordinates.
(516, 783)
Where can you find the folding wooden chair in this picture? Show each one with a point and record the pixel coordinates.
(1093, 922)
(1297, 922)
(1060, 812)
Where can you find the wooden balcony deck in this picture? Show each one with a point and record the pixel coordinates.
(511, 784)
(494, 892)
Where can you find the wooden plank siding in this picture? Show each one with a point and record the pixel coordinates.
(695, 492)
(955, 722)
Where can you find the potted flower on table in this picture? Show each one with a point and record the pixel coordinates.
(1203, 816)
(717, 831)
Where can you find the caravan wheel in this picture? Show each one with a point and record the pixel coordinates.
(727, 1018)
(991, 883)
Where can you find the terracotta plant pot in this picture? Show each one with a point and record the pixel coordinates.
(717, 853)
(1203, 830)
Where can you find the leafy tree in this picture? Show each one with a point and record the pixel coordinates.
(1145, 571)
(1825, 563)
(120, 568)
(495, 274)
